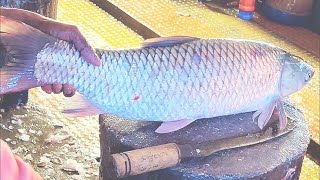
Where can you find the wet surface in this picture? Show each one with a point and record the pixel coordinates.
(33, 133)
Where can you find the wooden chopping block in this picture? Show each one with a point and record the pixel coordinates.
(276, 159)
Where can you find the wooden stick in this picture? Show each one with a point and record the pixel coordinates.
(144, 160)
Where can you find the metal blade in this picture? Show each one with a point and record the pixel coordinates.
(208, 148)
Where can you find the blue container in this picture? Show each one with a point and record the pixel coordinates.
(245, 15)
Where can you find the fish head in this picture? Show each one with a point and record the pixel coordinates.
(295, 74)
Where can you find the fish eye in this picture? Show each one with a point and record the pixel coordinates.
(307, 77)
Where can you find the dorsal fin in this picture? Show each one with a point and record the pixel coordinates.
(167, 41)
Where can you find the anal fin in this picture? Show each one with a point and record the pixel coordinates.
(78, 106)
(171, 126)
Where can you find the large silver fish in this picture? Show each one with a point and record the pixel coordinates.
(176, 80)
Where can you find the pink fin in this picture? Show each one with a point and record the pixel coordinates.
(168, 41)
(78, 106)
(282, 115)
(171, 126)
(256, 114)
(264, 114)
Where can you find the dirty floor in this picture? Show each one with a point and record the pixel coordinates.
(68, 148)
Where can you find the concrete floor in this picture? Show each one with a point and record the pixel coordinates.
(53, 145)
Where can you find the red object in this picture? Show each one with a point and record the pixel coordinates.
(247, 5)
(13, 167)
(136, 98)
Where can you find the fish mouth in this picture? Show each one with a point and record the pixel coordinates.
(312, 72)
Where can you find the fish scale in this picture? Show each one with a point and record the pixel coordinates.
(199, 79)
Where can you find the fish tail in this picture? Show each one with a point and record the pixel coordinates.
(22, 43)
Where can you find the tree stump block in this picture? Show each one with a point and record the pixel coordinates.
(279, 158)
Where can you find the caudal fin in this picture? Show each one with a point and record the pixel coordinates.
(22, 44)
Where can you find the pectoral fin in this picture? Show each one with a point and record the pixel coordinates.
(264, 114)
(171, 126)
(78, 106)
